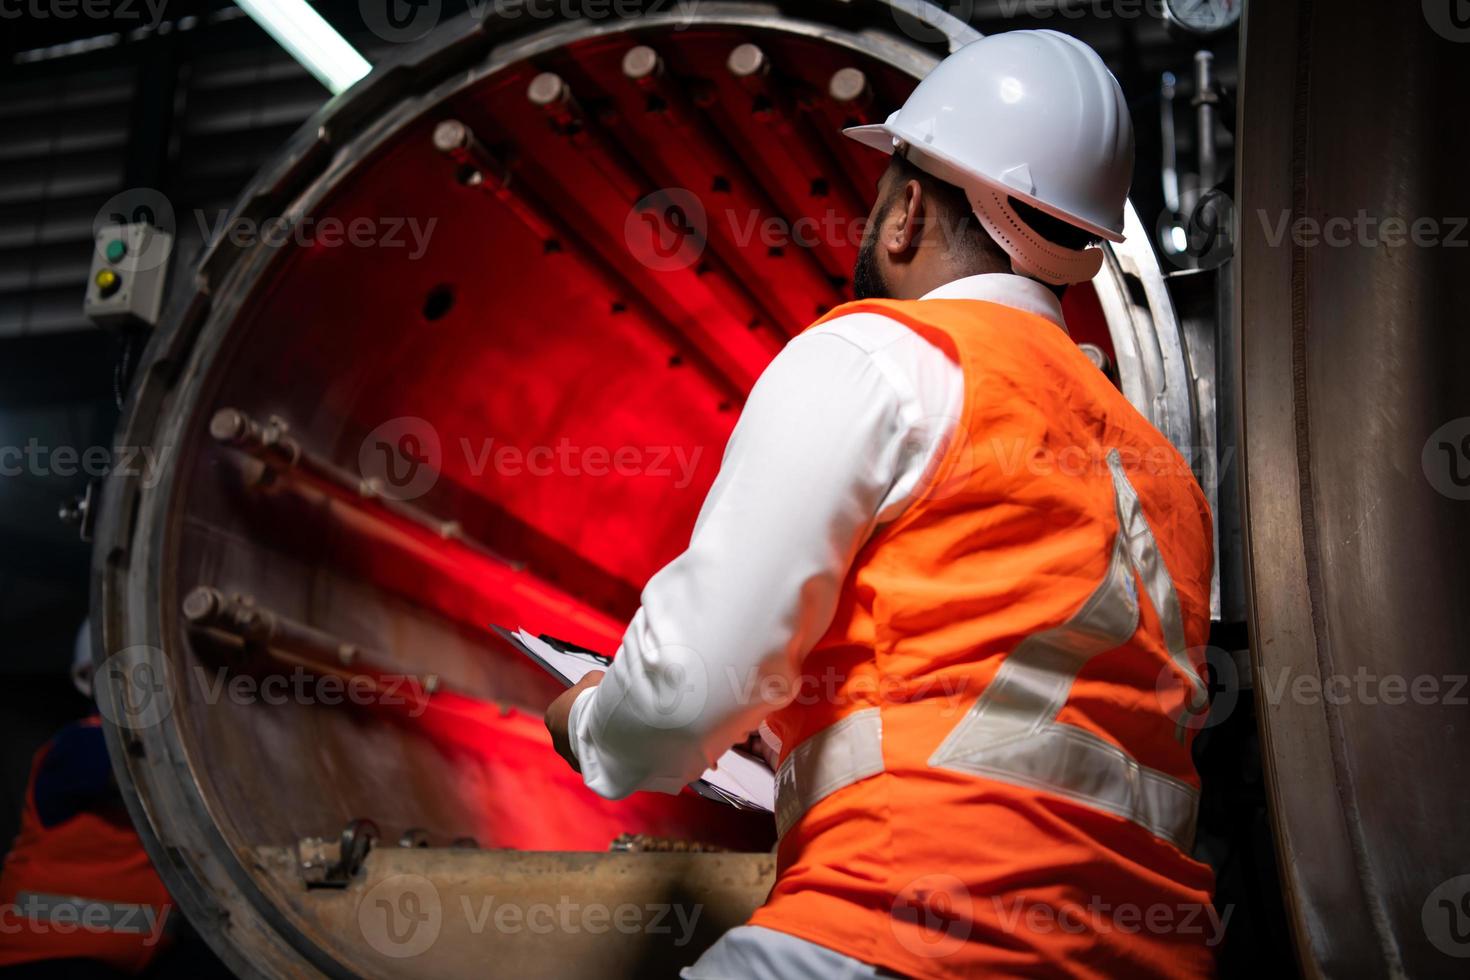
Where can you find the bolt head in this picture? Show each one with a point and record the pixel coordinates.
(641, 62)
(547, 88)
(747, 60)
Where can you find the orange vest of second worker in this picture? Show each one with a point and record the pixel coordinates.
(987, 770)
(81, 889)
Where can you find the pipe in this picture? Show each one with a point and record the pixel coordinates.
(272, 444)
(589, 138)
(1205, 100)
(750, 65)
(730, 376)
(644, 67)
(296, 643)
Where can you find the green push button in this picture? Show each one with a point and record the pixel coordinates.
(116, 249)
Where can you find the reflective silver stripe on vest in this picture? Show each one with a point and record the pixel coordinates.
(1011, 732)
(88, 913)
(1143, 551)
(837, 756)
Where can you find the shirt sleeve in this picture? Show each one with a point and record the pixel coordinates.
(723, 629)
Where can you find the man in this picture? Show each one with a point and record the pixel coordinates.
(78, 896)
(954, 574)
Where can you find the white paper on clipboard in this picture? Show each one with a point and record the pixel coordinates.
(737, 778)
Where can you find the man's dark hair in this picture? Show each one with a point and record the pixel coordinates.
(960, 228)
(963, 230)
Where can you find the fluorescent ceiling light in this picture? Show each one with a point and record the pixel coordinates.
(310, 40)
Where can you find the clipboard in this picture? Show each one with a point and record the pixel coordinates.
(738, 778)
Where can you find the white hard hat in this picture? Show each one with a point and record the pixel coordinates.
(1033, 115)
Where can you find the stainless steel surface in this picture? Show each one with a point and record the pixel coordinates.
(1205, 100)
(1152, 361)
(1352, 356)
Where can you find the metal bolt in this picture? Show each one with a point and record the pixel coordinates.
(848, 85)
(229, 426)
(548, 88)
(451, 134)
(642, 62)
(747, 60)
(1096, 355)
(202, 603)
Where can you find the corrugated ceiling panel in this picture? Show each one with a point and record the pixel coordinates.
(63, 152)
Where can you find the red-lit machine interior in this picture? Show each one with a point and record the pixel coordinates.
(566, 339)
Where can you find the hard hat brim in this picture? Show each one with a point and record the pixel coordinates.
(878, 136)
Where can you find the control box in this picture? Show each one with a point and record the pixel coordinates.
(129, 272)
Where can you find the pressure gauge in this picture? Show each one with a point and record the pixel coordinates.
(1203, 17)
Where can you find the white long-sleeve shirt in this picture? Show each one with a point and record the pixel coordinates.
(833, 442)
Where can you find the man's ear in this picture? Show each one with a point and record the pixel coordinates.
(903, 234)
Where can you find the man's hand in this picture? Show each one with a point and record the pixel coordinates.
(560, 713)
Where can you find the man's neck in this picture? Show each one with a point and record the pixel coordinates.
(922, 282)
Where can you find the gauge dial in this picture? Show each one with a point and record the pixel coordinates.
(1203, 16)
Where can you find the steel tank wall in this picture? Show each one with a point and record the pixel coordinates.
(272, 545)
(1352, 359)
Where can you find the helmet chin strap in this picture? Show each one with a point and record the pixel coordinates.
(1031, 255)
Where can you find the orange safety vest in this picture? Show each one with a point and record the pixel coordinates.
(81, 889)
(986, 770)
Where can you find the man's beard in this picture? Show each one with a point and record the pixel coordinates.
(867, 278)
